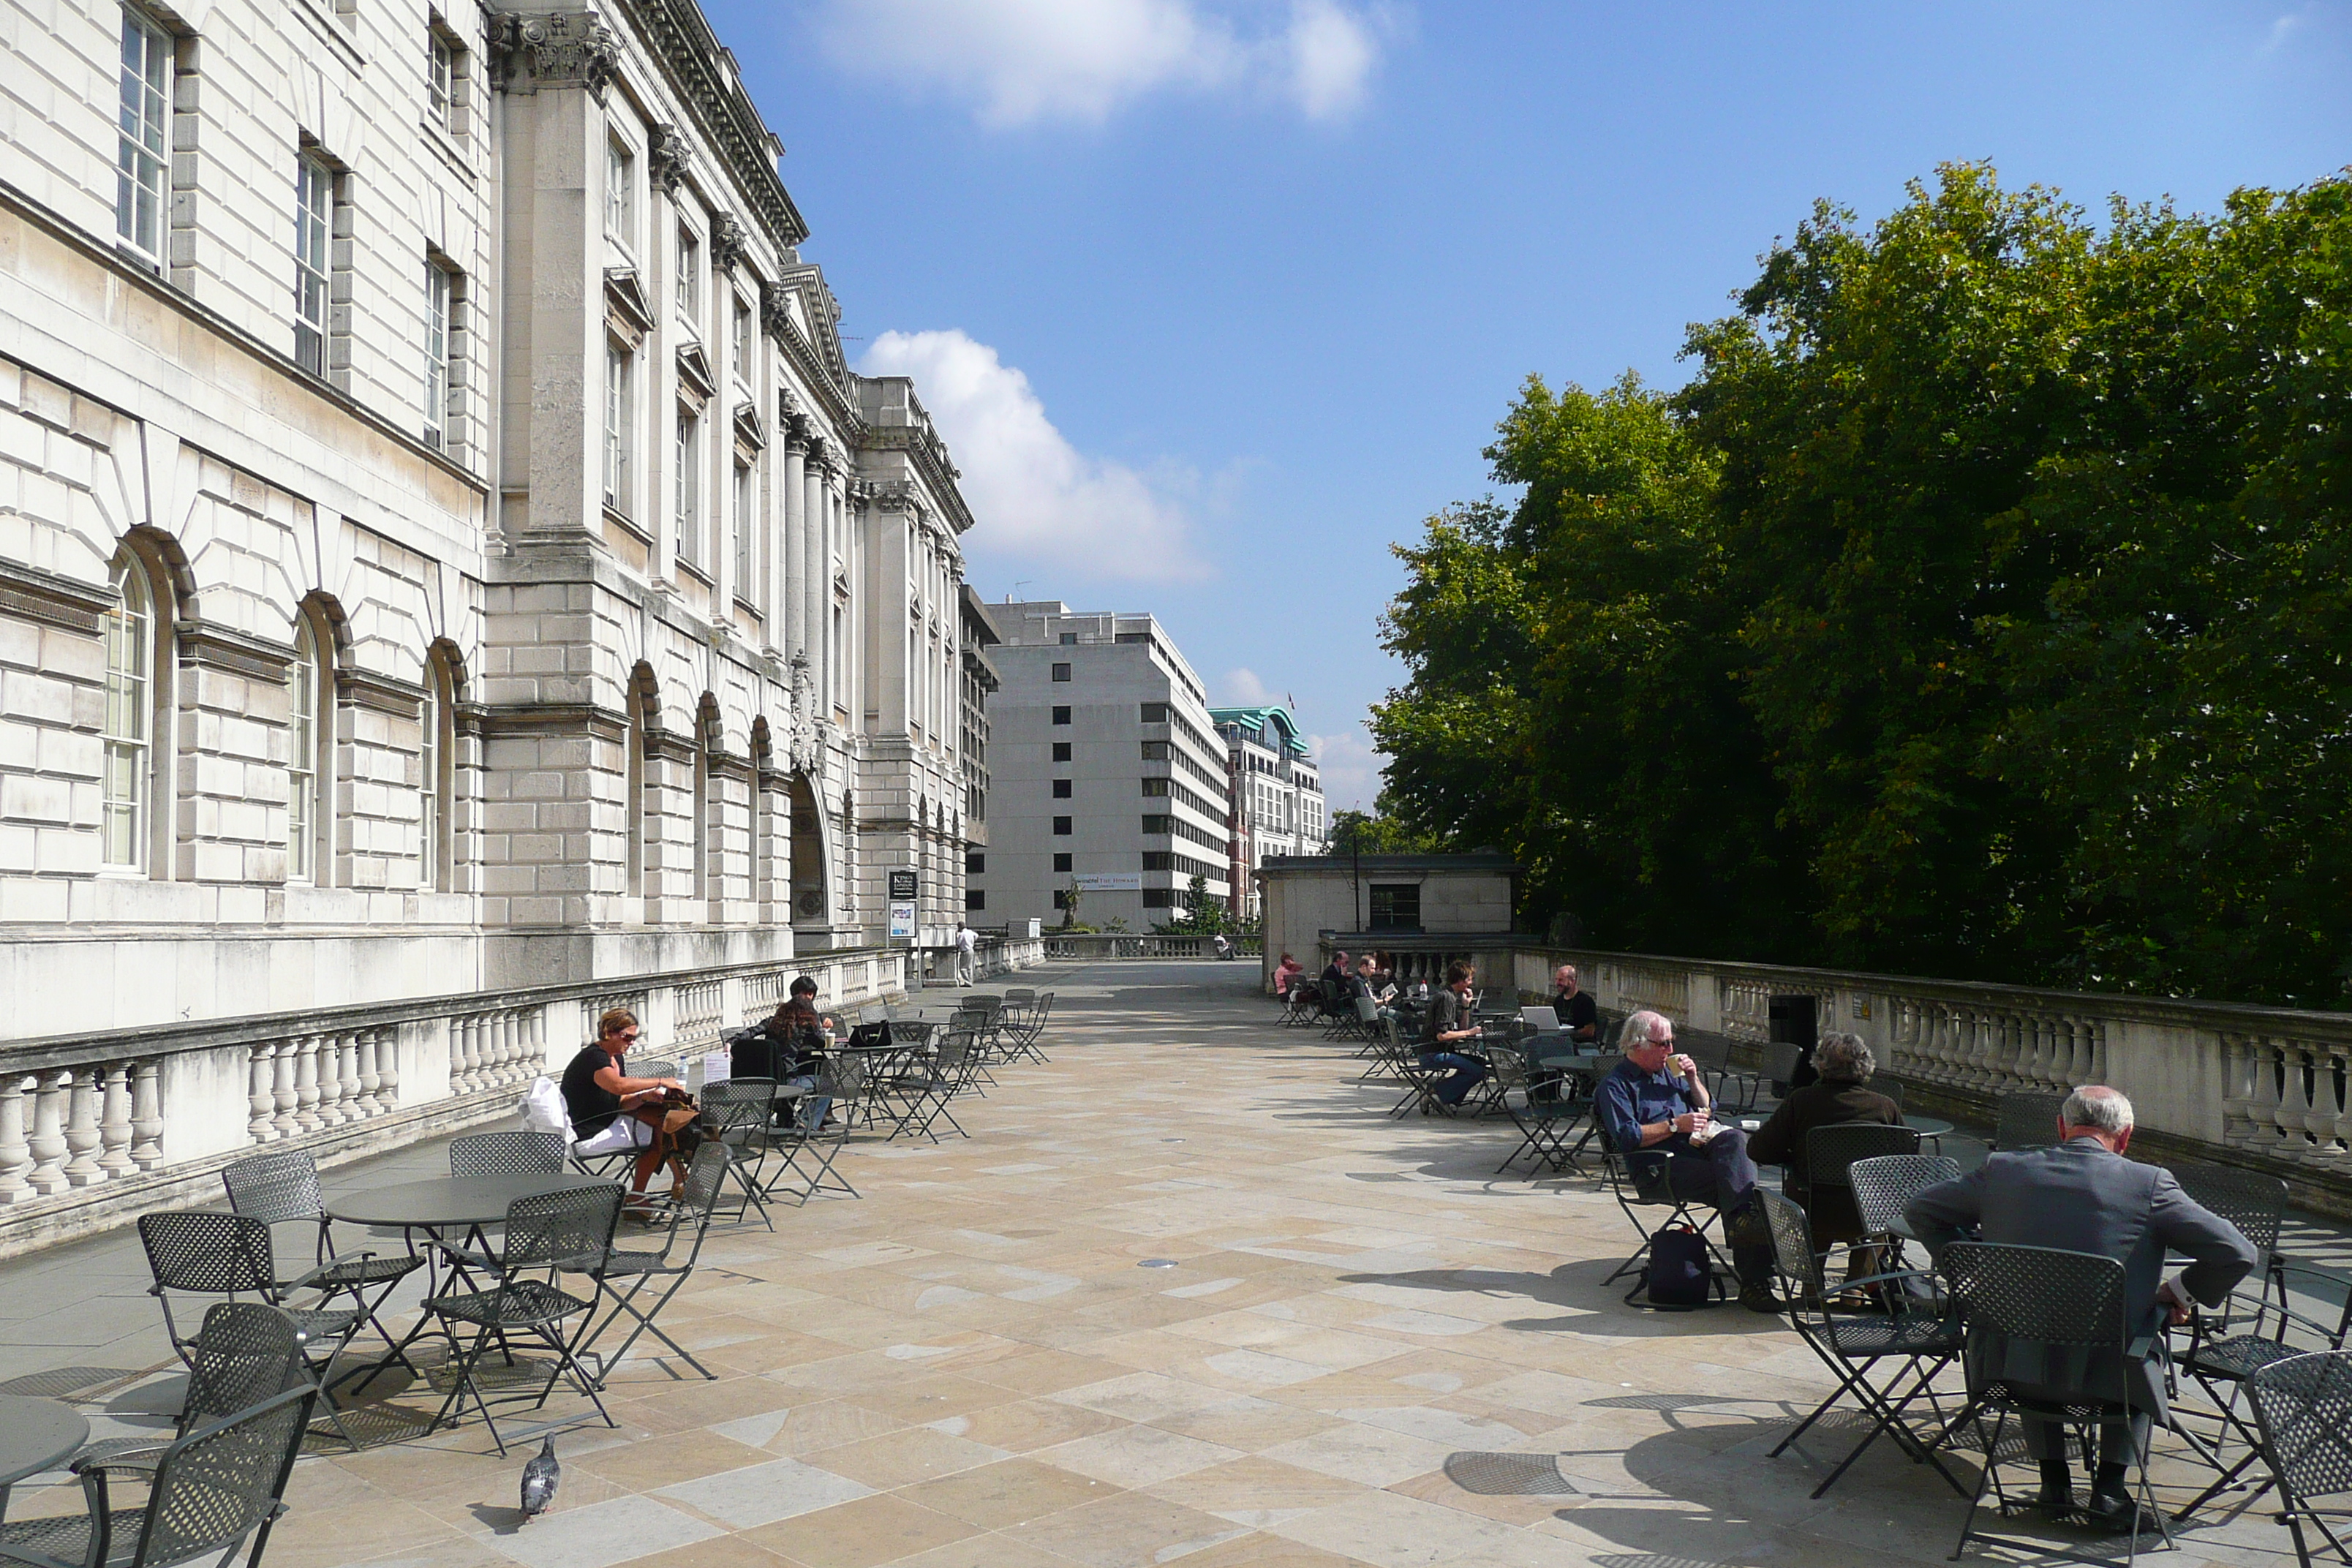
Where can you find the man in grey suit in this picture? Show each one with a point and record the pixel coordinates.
(2085, 1196)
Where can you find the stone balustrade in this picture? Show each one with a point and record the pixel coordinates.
(1088, 946)
(2268, 1088)
(95, 1130)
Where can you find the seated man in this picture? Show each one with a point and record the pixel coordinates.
(1221, 946)
(1654, 1104)
(1373, 982)
(800, 1037)
(1450, 1023)
(1574, 1006)
(2085, 1196)
(1288, 970)
(611, 1112)
(1338, 996)
(1838, 1096)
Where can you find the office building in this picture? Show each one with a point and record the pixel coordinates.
(1107, 777)
(1276, 792)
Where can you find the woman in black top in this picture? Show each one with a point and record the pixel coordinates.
(612, 1112)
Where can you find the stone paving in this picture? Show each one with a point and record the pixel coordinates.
(1368, 1349)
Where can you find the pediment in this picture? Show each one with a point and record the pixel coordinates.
(747, 433)
(625, 299)
(694, 374)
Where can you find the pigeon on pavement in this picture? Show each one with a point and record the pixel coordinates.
(539, 1480)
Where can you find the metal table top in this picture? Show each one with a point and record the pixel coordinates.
(37, 1435)
(450, 1202)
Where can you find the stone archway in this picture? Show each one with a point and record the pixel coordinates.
(812, 883)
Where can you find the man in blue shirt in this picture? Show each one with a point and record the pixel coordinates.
(1654, 1110)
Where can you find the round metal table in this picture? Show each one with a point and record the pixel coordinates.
(36, 1434)
(449, 1203)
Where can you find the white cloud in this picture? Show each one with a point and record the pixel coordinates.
(1020, 61)
(1242, 689)
(1352, 768)
(1030, 492)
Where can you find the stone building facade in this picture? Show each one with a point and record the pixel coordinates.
(1276, 792)
(442, 543)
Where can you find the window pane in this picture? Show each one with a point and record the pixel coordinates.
(140, 148)
(301, 751)
(129, 627)
(313, 207)
(436, 354)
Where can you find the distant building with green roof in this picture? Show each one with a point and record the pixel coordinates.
(1275, 791)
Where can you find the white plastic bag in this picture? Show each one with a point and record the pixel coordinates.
(542, 1107)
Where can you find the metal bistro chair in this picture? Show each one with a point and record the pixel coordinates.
(2303, 1406)
(811, 1143)
(2072, 1301)
(930, 1091)
(1634, 1193)
(1301, 1002)
(1851, 1347)
(1711, 1054)
(547, 1233)
(282, 1188)
(195, 1253)
(637, 1269)
(1830, 1156)
(1884, 1186)
(209, 1490)
(744, 1108)
(1548, 1112)
(525, 1152)
(2027, 1119)
(247, 1353)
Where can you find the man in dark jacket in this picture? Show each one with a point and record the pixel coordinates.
(1574, 1006)
(1840, 1095)
(2085, 1196)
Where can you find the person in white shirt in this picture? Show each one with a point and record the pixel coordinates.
(967, 953)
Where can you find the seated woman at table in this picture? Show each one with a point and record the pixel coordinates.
(1288, 970)
(799, 1034)
(1839, 1094)
(613, 1112)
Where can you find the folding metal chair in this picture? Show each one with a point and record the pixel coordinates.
(1851, 1347)
(2072, 1301)
(743, 1108)
(526, 1152)
(196, 1253)
(281, 1187)
(546, 1233)
(1635, 1191)
(627, 1273)
(939, 1081)
(811, 1143)
(1545, 1117)
(247, 1353)
(208, 1491)
(2303, 1407)
(2027, 1119)
(1884, 1186)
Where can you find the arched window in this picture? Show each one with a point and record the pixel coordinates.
(309, 740)
(436, 777)
(130, 735)
(633, 764)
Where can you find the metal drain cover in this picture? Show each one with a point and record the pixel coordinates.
(1157, 1263)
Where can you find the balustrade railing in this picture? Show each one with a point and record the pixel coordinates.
(1092, 945)
(95, 1130)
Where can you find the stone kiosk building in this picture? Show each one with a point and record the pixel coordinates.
(443, 549)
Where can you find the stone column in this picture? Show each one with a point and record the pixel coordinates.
(791, 599)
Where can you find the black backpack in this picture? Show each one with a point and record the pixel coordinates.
(1681, 1274)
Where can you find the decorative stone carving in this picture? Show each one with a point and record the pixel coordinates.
(665, 158)
(727, 240)
(564, 49)
(775, 312)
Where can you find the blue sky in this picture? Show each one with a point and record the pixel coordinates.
(1216, 298)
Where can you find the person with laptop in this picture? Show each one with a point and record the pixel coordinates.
(1574, 1006)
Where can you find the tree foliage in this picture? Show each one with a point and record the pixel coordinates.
(1980, 607)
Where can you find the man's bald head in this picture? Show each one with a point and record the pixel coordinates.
(2095, 1110)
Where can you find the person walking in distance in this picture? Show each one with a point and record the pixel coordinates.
(967, 942)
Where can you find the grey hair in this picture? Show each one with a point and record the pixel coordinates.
(1567, 969)
(1639, 1027)
(1844, 1059)
(2096, 1107)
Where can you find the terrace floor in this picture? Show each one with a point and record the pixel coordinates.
(1368, 1349)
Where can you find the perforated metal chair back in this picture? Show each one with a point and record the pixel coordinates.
(706, 1178)
(1793, 1251)
(984, 1002)
(2304, 1407)
(2039, 1292)
(1885, 1185)
(1781, 1059)
(245, 1353)
(548, 1229)
(2028, 1119)
(222, 1481)
(653, 1067)
(1019, 994)
(739, 1102)
(1830, 1152)
(1368, 1012)
(2254, 1202)
(277, 1187)
(525, 1152)
(208, 1254)
(1887, 1084)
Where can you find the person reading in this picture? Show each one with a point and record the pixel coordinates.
(613, 1112)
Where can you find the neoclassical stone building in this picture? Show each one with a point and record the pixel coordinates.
(442, 543)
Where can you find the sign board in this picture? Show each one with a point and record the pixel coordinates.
(902, 921)
(902, 888)
(1111, 882)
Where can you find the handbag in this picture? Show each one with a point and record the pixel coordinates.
(1680, 1273)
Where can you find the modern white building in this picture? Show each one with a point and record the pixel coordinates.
(1107, 778)
(1276, 792)
(442, 545)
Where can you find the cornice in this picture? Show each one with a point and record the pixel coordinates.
(44, 596)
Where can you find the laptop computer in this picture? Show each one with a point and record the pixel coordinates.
(1545, 1020)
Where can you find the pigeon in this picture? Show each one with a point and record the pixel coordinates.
(539, 1480)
